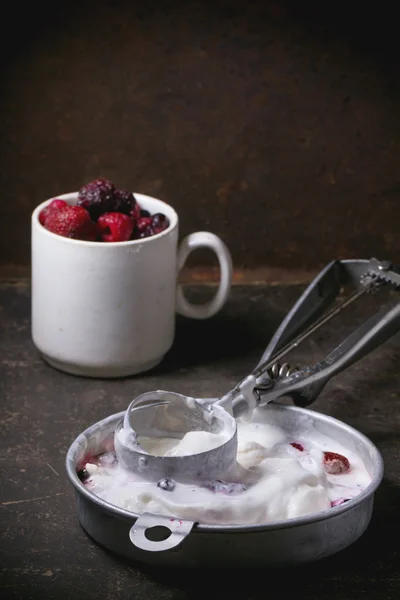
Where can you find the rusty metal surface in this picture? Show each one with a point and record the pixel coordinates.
(43, 552)
(275, 126)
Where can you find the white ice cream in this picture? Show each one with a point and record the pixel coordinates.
(193, 442)
(272, 481)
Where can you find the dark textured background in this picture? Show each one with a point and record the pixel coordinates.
(276, 127)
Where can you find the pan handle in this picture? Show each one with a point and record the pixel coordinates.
(156, 533)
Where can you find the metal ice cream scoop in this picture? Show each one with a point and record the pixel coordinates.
(168, 414)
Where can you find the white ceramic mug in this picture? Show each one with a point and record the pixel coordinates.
(108, 309)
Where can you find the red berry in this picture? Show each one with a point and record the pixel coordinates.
(159, 222)
(43, 215)
(72, 222)
(336, 464)
(143, 223)
(56, 204)
(115, 227)
(297, 446)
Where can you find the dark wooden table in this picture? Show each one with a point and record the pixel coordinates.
(45, 554)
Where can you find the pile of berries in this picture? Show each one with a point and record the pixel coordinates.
(103, 214)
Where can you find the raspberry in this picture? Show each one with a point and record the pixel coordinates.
(298, 446)
(336, 464)
(56, 204)
(97, 197)
(159, 222)
(71, 222)
(125, 202)
(115, 227)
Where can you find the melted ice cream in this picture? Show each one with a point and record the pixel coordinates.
(193, 442)
(275, 478)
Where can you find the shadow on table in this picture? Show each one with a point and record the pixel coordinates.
(349, 574)
(201, 343)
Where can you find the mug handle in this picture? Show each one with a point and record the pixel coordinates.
(204, 239)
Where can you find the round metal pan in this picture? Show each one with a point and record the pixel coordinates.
(177, 542)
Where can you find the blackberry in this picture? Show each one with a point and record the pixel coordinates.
(97, 197)
(124, 202)
(166, 484)
(144, 213)
(83, 474)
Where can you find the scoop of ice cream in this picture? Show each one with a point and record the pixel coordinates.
(195, 442)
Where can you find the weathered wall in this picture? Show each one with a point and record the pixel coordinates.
(276, 128)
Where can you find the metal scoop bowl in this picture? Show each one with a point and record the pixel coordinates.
(162, 414)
